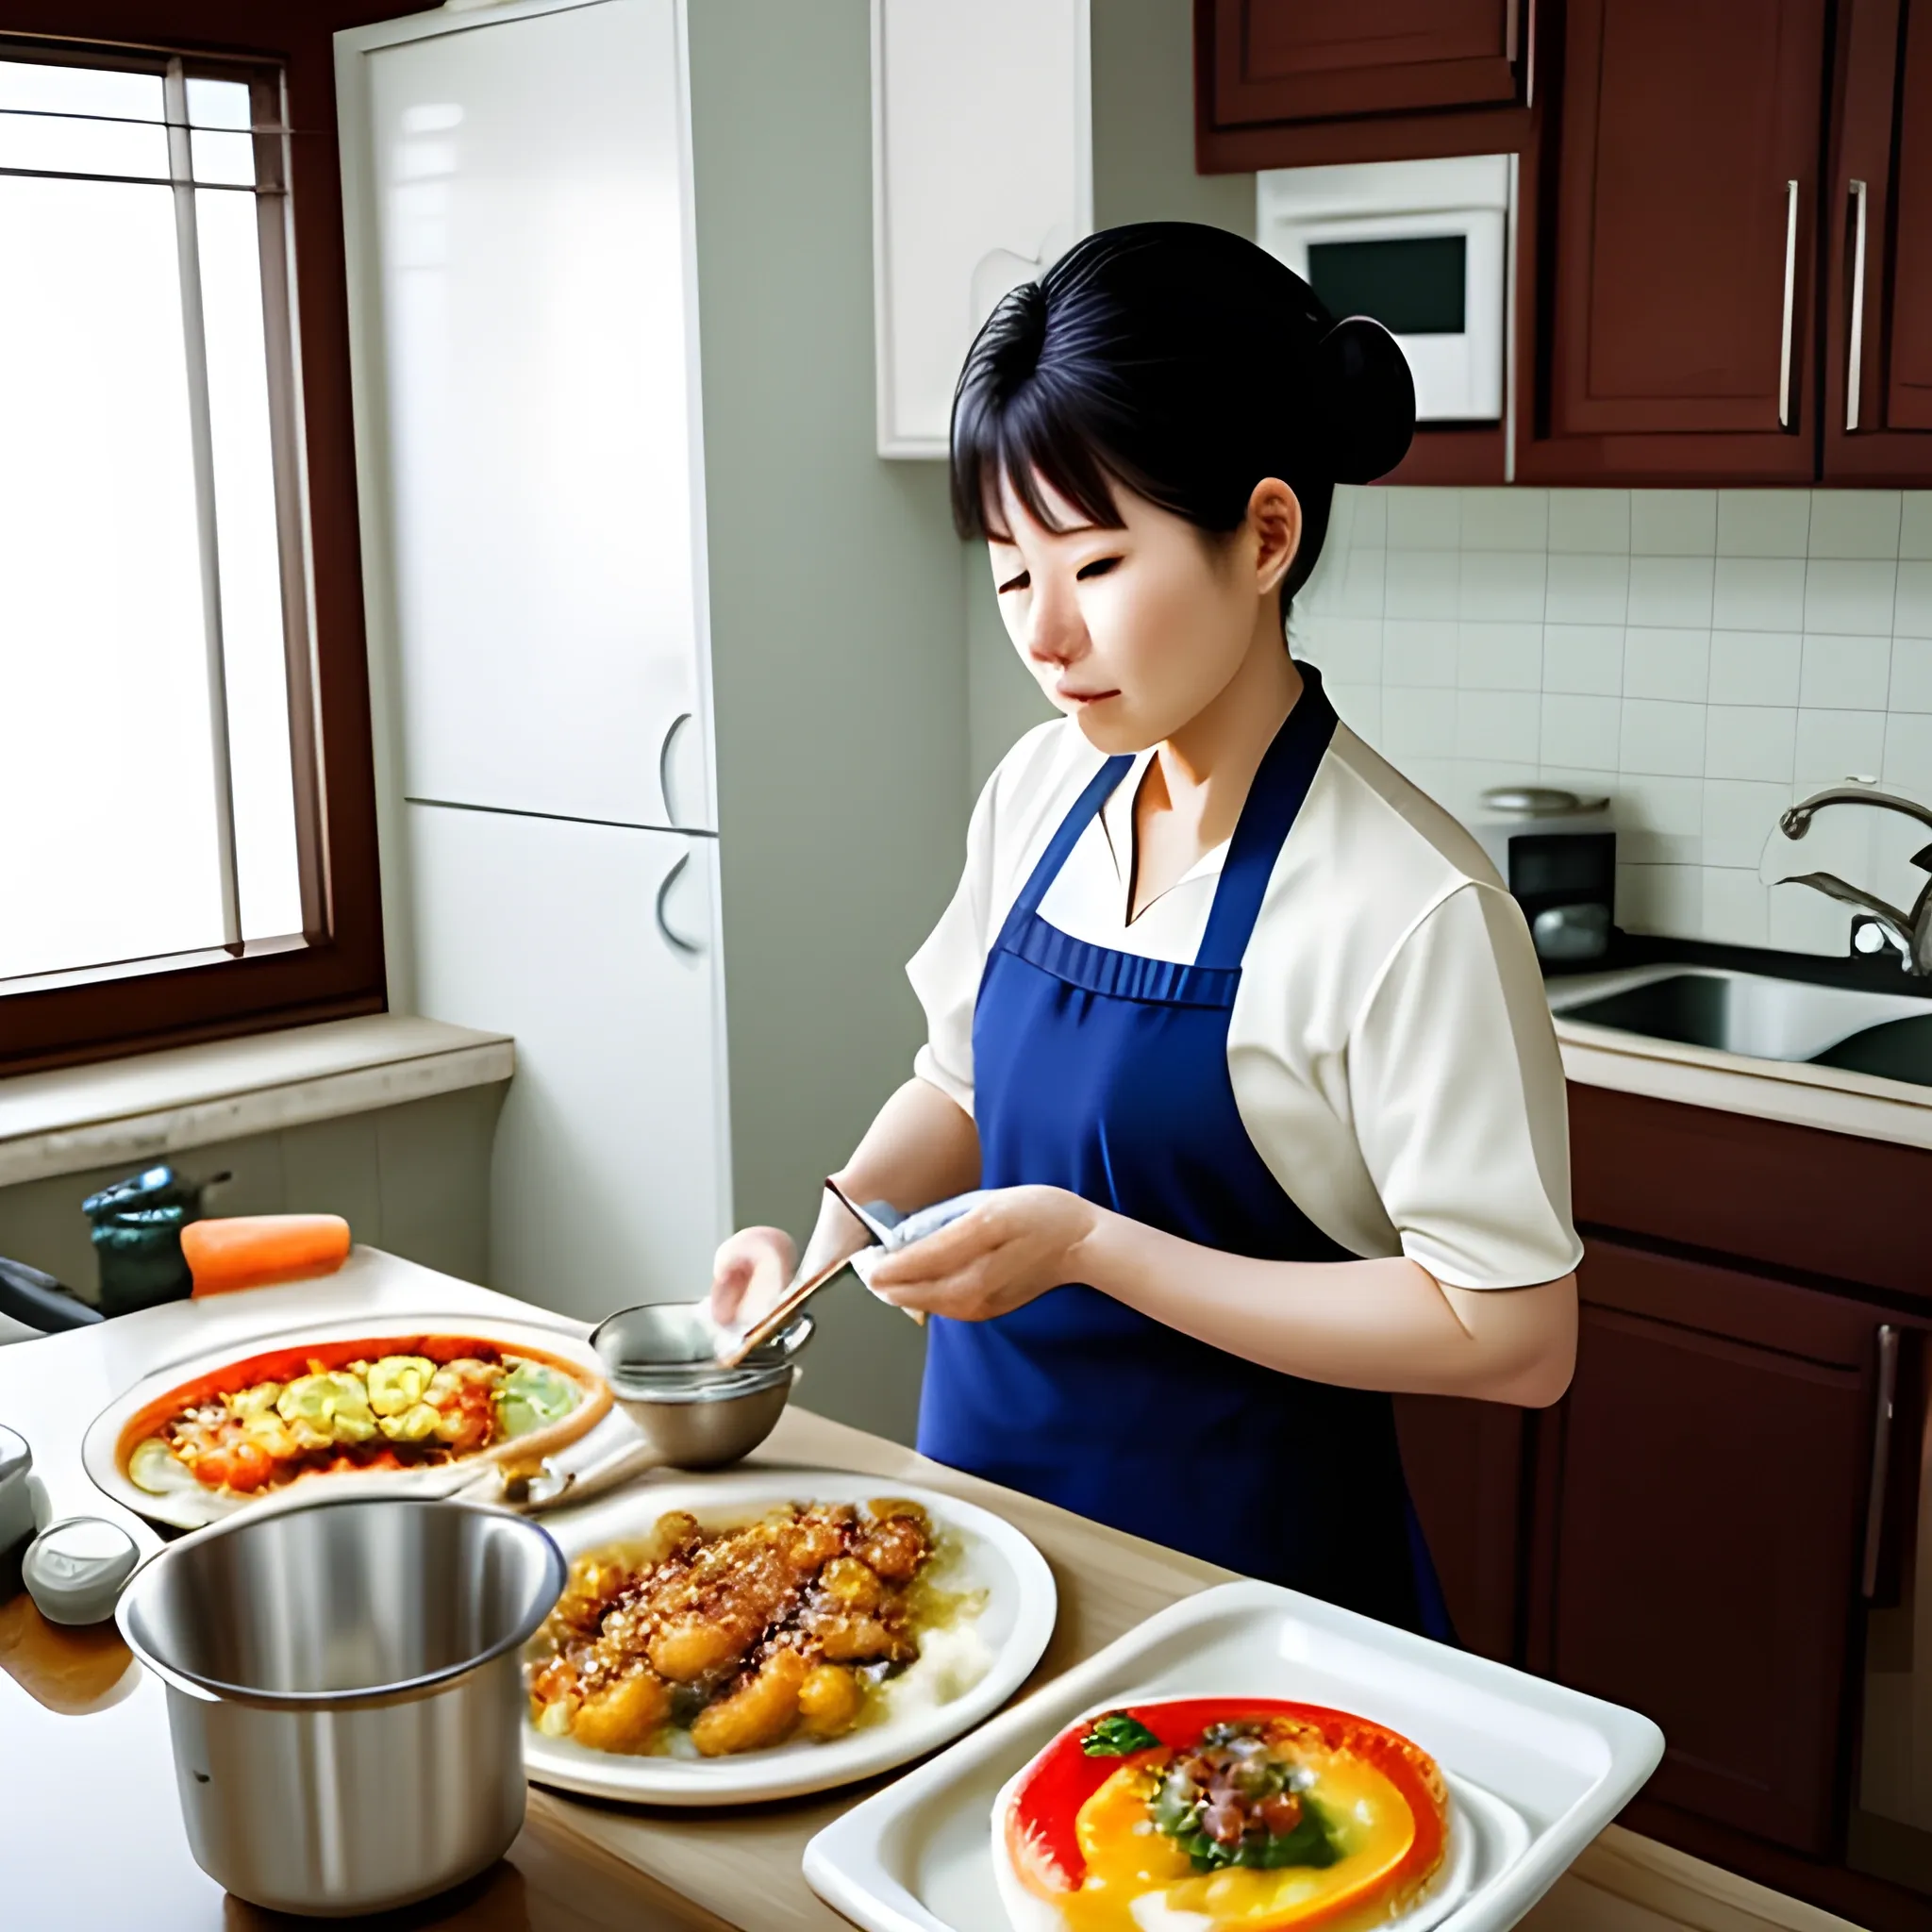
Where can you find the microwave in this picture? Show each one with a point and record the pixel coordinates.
(1422, 246)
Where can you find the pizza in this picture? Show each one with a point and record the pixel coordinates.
(403, 1402)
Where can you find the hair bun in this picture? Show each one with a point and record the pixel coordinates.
(1370, 396)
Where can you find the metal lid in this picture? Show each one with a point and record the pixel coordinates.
(74, 1569)
(1540, 801)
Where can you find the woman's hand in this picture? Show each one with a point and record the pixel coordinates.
(1013, 1246)
(750, 1272)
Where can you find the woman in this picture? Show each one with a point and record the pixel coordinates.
(1241, 1028)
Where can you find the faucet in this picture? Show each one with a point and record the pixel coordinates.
(1911, 933)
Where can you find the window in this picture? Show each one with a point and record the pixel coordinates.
(167, 868)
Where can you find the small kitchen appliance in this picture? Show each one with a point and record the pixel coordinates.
(1423, 248)
(1558, 855)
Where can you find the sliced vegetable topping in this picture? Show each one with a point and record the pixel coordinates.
(278, 1416)
(1117, 1734)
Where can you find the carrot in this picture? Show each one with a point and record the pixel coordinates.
(255, 1250)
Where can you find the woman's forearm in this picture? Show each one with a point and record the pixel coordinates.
(1385, 1323)
(921, 1147)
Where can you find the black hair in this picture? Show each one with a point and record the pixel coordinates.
(1185, 363)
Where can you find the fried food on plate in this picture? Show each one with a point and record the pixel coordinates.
(740, 1638)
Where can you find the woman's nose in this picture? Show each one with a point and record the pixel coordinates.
(1055, 633)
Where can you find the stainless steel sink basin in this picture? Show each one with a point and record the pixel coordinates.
(1749, 1013)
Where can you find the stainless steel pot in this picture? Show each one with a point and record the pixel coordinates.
(344, 1693)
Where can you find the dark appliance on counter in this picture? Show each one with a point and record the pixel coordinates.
(1558, 855)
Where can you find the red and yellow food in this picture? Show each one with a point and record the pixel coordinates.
(714, 1641)
(326, 1408)
(258, 1250)
(1235, 1814)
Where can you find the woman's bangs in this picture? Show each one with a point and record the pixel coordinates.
(1049, 462)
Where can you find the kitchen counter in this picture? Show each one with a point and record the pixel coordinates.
(1795, 1092)
(90, 1833)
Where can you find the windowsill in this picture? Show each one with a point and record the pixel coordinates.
(152, 1105)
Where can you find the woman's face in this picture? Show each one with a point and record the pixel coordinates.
(1135, 631)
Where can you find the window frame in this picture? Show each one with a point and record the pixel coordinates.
(335, 969)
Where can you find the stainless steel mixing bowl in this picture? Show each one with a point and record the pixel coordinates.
(344, 1693)
(660, 1360)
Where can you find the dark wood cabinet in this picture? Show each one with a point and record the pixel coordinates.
(1724, 226)
(1679, 215)
(1878, 303)
(1693, 1530)
(1288, 83)
(1325, 59)
(1702, 1505)
(1468, 1467)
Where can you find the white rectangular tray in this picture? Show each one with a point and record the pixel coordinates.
(1536, 1770)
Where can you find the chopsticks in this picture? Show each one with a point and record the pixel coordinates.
(886, 1239)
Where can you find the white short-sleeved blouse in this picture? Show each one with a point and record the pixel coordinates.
(1390, 1049)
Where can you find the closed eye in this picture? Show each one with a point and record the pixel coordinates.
(1018, 583)
(1098, 568)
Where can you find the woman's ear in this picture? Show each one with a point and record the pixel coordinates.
(1274, 516)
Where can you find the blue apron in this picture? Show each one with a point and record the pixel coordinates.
(1106, 1073)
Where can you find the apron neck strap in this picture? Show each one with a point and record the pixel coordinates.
(1286, 770)
(1273, 802)
(1098, 789)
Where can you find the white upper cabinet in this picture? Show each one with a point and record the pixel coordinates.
(523, 287)
(982, 174)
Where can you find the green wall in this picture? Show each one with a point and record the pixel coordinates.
(838, 641)
(864, 685)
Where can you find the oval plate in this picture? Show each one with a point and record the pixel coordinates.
(1014, 1626)
(102, 1448)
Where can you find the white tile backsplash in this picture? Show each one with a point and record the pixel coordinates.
(1660, 738)
(1848, 598)
(1674, 523)
(1758, 594)
(1590, 520)
(1749, 741)
(1587, 588)
(1837, 745)
(1846, 673)
(1754, 667)
(1856, 523)
(1499, 657)
(1581, 731)
(1703, 657)
(1763, 523)
(1666, 664)
(1915, 526)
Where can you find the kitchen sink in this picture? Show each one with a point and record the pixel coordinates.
(1749, 1013)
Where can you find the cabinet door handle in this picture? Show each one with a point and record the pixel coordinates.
(672, 938)
(1855, 355)
(677, 724)
(1881, 1455)
(1784, 352)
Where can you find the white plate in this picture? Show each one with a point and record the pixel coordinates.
(195, 1508)
(1534, 1771)
(993, 1556)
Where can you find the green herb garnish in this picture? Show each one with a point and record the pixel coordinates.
(1117, 1734)
(1311, 1842)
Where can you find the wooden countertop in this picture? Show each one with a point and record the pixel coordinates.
(90, 1834)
